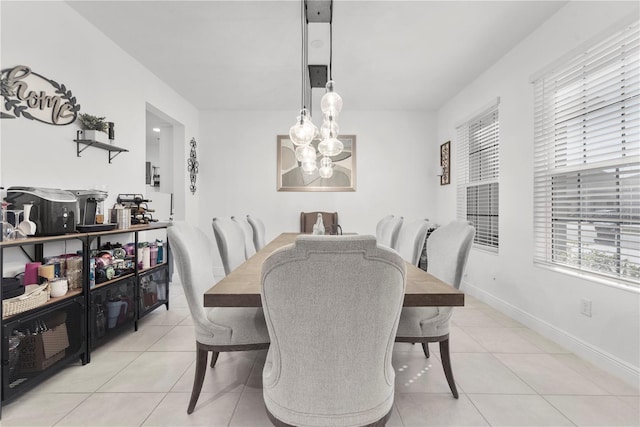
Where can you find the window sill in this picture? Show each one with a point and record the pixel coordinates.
(618, 284)
(485, 249)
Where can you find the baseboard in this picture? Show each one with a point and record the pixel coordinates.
(621, 369)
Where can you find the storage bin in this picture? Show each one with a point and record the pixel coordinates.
(38, 352)
(34, 296)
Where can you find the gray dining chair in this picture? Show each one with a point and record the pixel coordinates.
(380, 226)
(389, 232)
(411, 240)
(329, 363)
(258, 231)
(217, 329)
(230, 240)
(247, 231)
(448, 249)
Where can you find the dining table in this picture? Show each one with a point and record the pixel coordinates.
(241, 287)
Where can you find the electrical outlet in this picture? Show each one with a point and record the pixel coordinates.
(585, 307)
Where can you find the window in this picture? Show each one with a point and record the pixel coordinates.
(587, 160)
(478, 158)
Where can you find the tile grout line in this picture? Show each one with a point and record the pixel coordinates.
(244, 388)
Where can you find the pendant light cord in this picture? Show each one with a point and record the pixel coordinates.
(302, 26)
(305, 67)
(331, 44)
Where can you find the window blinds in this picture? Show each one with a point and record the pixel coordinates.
(477, 191)
(587, 160)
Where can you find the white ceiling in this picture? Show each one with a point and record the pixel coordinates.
(387, 55)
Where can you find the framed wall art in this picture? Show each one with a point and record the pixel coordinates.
(445, 163)
(291, 177)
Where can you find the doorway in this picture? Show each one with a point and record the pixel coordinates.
(162, 141)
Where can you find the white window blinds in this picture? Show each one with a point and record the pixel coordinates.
(479, 166)
(586, 165)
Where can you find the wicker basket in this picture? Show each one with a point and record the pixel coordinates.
(33, 297)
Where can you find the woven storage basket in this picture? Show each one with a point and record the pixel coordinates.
(32, 298)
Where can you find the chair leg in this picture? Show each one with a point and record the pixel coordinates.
(214, 358)
(446, 364)
(198, 380)
(425, 348)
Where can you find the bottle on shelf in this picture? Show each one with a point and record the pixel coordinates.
(160, 257)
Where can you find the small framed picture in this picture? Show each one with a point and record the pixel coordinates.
(445, 162)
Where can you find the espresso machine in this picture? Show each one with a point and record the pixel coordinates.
(87, 205)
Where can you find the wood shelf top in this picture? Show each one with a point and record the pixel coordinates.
(46, 239)
(101, 145)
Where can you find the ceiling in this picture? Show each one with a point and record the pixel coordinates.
(387, 55)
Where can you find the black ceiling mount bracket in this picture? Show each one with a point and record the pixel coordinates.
(318, 75)
(319, 10)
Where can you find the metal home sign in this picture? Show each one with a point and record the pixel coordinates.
(35, 97)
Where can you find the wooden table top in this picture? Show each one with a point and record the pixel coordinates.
(241, 288)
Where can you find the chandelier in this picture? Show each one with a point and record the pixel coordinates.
(304, 131)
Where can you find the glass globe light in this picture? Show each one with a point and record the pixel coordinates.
(329, 127)
(309, 167)
(302, 132)
(330, 147)
(331, 102)
(305, 153)
(317, 135)
(326, 168)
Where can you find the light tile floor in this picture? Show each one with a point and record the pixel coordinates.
(507, 375)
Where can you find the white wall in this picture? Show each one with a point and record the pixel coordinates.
(56, 42)
(59, 44)
(545, 300)
(395, 171)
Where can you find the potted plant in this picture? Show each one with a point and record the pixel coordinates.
(95, 128)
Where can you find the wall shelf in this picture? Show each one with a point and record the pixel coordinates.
(101, 145)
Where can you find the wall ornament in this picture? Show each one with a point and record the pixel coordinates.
(192, 166)
(35, 97)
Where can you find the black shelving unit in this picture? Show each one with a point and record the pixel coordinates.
(52, 336)
(42, 330)
(73, 325)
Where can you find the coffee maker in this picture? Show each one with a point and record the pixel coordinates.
(87, 205)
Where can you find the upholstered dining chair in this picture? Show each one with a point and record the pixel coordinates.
(411, 240)
(448, 249)
(389, 231)
(329, 363)
(247, 231)
(217, 329)
(258, 231)
(231, 243)
(381, 225)
(308, 219)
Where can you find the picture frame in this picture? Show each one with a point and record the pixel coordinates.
(291, 177)
(445, 163)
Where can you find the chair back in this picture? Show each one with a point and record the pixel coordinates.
(308, 219)
(258, 231)
(448, 249)
(332, 305)
(380, 226)
(230, 240)
(247, 231)
(389, 232)
(411, 240)
(191, 250)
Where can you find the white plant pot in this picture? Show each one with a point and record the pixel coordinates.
(96, 135)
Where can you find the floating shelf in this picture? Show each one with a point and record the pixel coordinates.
(101, 145)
